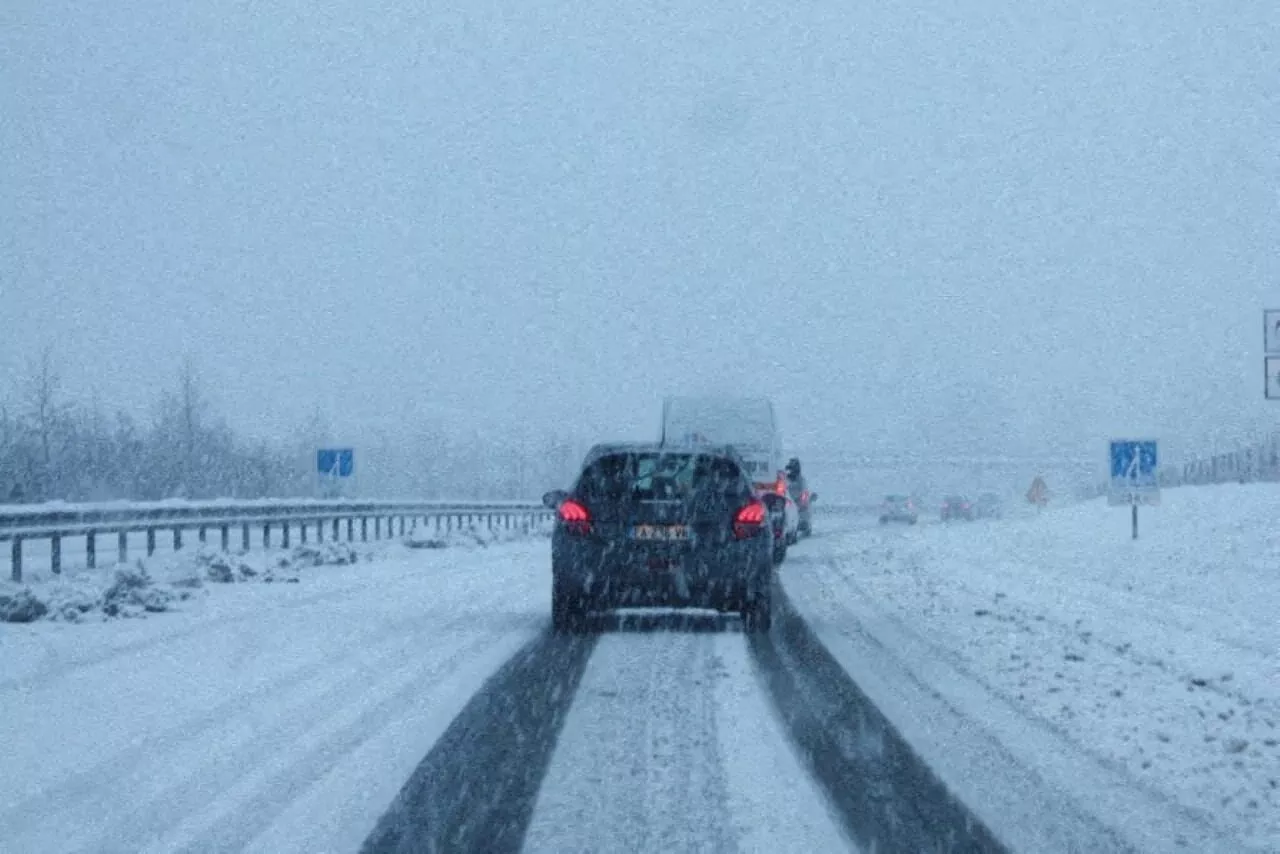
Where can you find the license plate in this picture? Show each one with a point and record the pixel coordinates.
(663, 533)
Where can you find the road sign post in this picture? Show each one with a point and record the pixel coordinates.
(1038, 494)
(1134, 481)
(334, 466)
(1271, 353)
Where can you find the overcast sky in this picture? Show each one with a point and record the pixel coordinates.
(934, 225)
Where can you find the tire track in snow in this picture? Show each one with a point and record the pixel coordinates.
(81, 787)
(239, 816)
(214, 760)
(888, 797)
(475, 790)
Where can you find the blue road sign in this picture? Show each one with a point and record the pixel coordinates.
(336, 462)
(1134, 466)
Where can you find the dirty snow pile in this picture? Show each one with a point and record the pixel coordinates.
(128, 592)
(155, 585)
(1160, 655)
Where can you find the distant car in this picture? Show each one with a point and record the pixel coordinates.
(989, 506)
(957, 507)
(898, 508)
(654, 525)
(798, 489)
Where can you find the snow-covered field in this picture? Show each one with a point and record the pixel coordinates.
(1142, 677)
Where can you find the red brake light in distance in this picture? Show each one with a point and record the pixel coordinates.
(574, 516)
(749, 520)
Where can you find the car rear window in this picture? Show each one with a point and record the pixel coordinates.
(656, 476)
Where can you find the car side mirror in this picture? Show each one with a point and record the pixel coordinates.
(553, 499)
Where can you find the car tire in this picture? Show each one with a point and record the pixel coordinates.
(757, 614)
(780, 553)
(568, 612)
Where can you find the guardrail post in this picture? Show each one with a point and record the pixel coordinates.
(177, 539)
(402, 526)
(226, 538)
(244, 537)
(15, 557)
(284, 534)
(302, 532)
(55, 554)
(377, 527)
(266, 535)
(200, 534)
(351, 528)
(448, 524)
(122, 547)
(151, 541)
(364, 529)
(91, 550)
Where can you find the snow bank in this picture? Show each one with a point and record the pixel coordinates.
(1159, 656)
(156, 584)
(475, 536)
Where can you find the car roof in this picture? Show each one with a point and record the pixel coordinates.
(606, 449)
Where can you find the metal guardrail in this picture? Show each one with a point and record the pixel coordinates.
(19, 525)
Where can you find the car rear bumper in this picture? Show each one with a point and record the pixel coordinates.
(615, 575)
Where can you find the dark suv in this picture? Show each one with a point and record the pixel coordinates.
(659, 526)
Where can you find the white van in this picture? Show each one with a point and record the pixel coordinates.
(746, 423)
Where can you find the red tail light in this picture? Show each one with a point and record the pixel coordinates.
(804, 498)
(749, 520)
(574, 516)
(780, 486)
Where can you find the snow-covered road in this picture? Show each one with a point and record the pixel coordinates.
(1066, 692)
(672, 745)
(268, 717)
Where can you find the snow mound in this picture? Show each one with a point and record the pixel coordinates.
(128, 592)
(474, 536)
(321, 554)
(1160, 656)
(21, 606)
(133, 592)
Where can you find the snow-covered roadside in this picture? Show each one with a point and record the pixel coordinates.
(1156, 661)
(168, 579)
(277, 717)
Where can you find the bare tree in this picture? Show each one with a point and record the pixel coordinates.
(43, 386)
